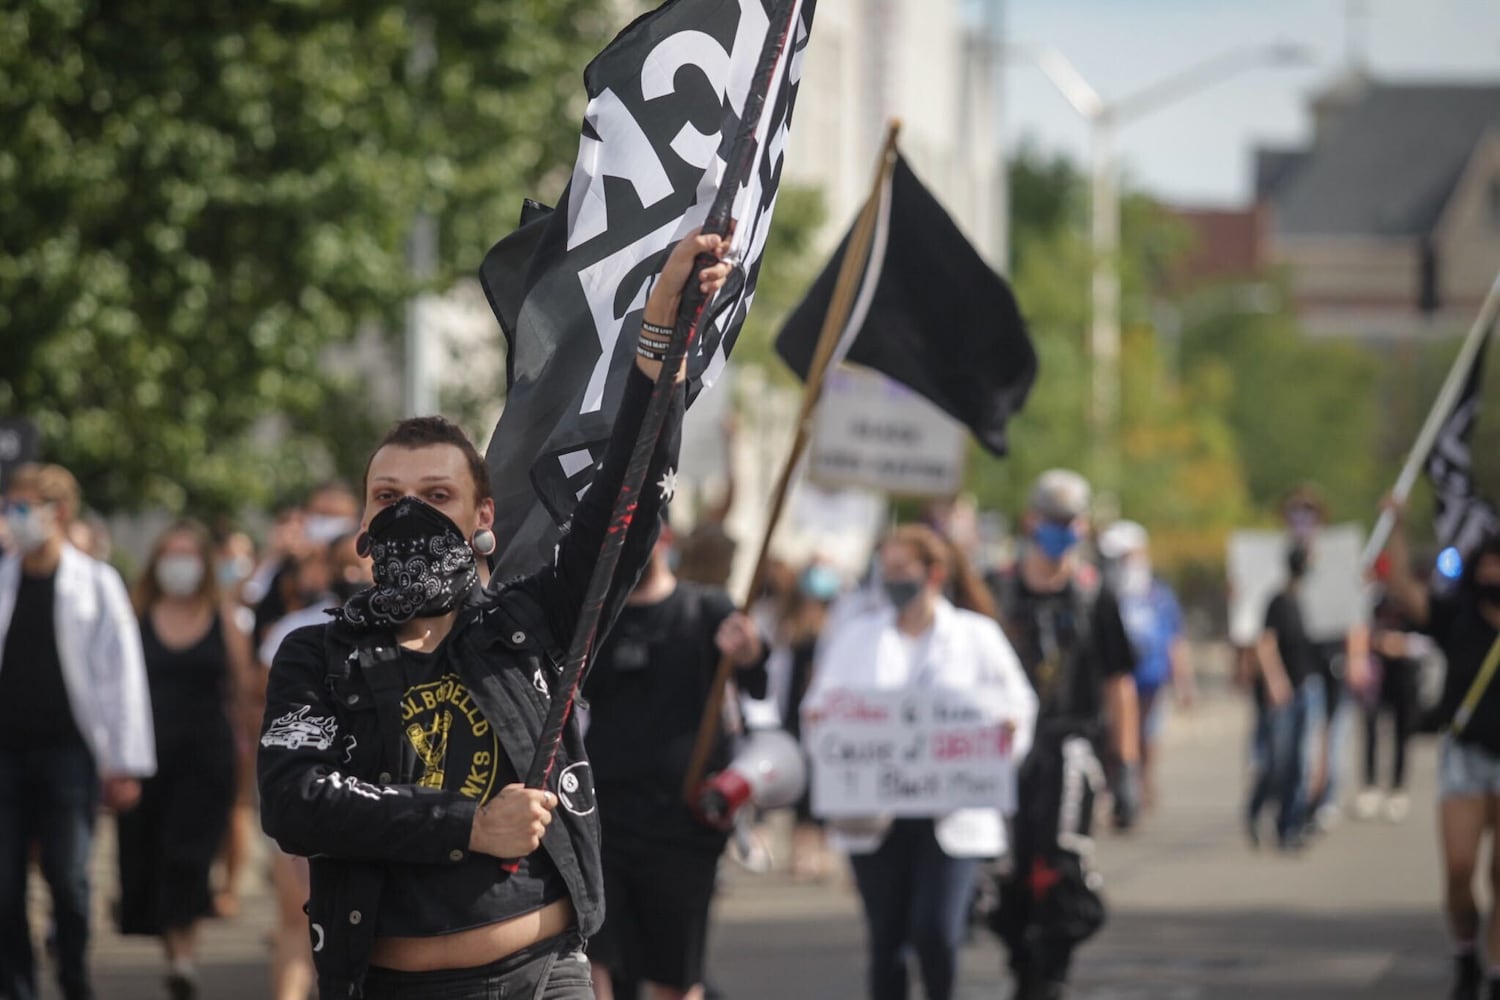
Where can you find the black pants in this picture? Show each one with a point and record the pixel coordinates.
(1398, 695)
(46, 796)
(1048, 904)
(554, 969)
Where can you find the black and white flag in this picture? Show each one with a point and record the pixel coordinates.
(929, 313)
(1463, 518)
(666, 101)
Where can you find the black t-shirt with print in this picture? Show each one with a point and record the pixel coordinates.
(1069, 642)
(447, 742)
(1299, 653)
(1458, 627)
(646, 691)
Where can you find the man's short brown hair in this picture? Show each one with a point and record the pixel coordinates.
(422, 432)
(52, 483)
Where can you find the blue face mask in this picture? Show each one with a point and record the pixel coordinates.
(1055, 540)
(821, 583)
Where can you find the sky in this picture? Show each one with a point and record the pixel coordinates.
(1197, 150)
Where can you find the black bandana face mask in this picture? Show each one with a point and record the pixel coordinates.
(424, 567)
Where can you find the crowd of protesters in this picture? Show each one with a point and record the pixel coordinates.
(147, 702)
(144, 699)
(158, 718)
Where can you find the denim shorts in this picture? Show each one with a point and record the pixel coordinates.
(1467, 771)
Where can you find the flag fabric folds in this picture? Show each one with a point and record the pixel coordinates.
(1463, 518)
(929, 313)
(659, 140)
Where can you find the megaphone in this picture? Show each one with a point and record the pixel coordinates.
(768, 770)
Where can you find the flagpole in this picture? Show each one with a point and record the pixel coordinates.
(690, 317)
(834, 321)
(1447, 398)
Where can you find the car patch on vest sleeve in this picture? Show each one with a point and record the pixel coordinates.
(297, 729)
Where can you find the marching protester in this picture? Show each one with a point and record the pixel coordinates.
(234, 561)
(798, 634)
(916, 876)
(395, 737)
(1153, 620)
(198, 667)
(1340, 665)
(1067, 631)
(646, 692)
(75, 721)
(1288, 663)
(1397, 648)
(1465, 623)
(341, 572)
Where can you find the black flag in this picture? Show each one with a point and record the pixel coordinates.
(665, 100)
(1463, 518)
(929, 313)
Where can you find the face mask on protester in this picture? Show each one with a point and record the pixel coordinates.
(424, 566)
(179, 575)
(231, 571)
(901, 592)
(1135, 577)
(1054, 539)
(31, 525)
(821, 583)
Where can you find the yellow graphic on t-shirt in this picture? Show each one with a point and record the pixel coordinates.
(451, 737)
(432, 748)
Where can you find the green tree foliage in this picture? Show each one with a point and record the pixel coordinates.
(196, 201)
(1226, 404)
(1302, 410)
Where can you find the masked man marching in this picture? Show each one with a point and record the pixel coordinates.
(395, 736)
(1073, 645)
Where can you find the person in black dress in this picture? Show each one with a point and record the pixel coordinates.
(196, 662)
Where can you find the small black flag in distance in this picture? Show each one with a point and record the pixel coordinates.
(929, 313)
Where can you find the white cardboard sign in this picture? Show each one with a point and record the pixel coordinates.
(920, 752)
(874, 432)
(1333, 597)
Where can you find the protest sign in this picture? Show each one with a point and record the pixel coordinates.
(917, 752)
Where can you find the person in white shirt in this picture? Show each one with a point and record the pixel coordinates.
(916, 876)
(75, 720)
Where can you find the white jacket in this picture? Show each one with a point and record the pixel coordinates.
(99, 646)
(966, 650)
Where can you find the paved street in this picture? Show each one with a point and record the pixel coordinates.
(1196, 914)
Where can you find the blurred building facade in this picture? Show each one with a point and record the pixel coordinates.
(934, 65)
(1388, 222)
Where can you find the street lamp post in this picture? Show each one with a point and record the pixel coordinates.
(1104, 120)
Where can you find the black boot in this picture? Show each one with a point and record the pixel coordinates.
(1465, 977)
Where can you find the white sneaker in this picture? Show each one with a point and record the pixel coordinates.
(1397, 807)
(1367, 804)
(1326, 818)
